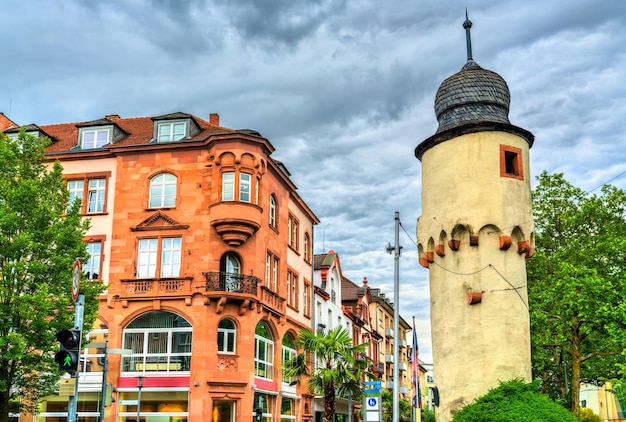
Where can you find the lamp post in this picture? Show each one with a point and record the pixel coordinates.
(105, 368)
(139, 385)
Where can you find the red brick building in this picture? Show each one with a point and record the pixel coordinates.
(206, 249)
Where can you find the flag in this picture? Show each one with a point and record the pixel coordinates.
(417, 394)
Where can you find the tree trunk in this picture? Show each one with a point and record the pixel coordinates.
(329, 403)
(575, 384)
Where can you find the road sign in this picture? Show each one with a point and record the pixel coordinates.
(372, 403)
(75, 280)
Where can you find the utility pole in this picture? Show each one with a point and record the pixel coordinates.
(396, 318)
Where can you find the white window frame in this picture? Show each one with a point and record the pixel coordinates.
(148, 255)
(228, 186)
(166, 131)
(96, 191)
(275, 275)
(94, 250)
(272, 213)
(97, 141)
(227, 335)
(148, 361)
(287, 354)
(261, 364)
(245, 187)
(268, 270)
(161, 195)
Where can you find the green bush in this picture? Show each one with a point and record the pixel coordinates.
(514, 401)
(428, 416)
(587, 415)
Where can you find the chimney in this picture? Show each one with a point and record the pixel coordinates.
(214, 119)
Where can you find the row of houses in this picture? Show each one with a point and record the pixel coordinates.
(206, 249)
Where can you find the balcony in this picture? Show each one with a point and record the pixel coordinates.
(389, 358)
(389, 385)
(402, 343)
(231, 282)
(389, 332)
(221, 287)
(246, 290)
(377, 367)
(402, 366)
(235, 231)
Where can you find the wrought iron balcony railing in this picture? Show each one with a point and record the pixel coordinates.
(231, 282)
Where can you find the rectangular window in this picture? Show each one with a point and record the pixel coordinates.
(292, 232)
(92, 267)
(292, 289)
(90, 190)
(511, 164)
(77, 190)
(95, 195)
(306, 299)
(171, 132)
(170, 257)
(228, 186)
(275, 275)
(94, 138)
(245, 181)
(263, 357)
(148, 257)
(268, 270)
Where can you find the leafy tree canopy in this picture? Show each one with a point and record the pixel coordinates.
(577, 286)
(40, 238)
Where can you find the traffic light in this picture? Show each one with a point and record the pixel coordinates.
(258, 414)
(68, 355)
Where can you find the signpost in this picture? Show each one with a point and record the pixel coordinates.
(371, 401)
(75, 280)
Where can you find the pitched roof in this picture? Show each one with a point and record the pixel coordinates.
(136, 130)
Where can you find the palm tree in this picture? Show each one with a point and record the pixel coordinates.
(338, 368)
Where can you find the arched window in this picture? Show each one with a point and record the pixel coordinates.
(289, 351)
(230, 273)
(226, 336)
(163, 191)
(160, 342)
(307, 247)
(263, 351)
(272, 213)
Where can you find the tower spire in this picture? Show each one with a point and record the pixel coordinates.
(468, 25)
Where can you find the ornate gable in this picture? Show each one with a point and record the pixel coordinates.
(159, 221)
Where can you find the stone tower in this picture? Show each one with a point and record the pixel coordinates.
(474, 235)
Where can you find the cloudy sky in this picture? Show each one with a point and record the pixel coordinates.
(343, 89)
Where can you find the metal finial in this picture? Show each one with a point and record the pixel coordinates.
(468, 37)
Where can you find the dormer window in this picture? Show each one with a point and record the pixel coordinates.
(92, 138)
(171, 131)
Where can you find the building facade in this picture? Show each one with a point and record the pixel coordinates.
(206, 250)
(474, 235)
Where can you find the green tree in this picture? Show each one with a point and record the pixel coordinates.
(577, 285)
(514, 401)
(39, 240)
(338, 366)
(387, 404)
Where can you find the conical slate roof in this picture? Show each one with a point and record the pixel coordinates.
(472, 95)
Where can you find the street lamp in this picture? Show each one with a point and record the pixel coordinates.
(105, 368)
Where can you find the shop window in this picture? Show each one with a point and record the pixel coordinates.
(160, 342)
